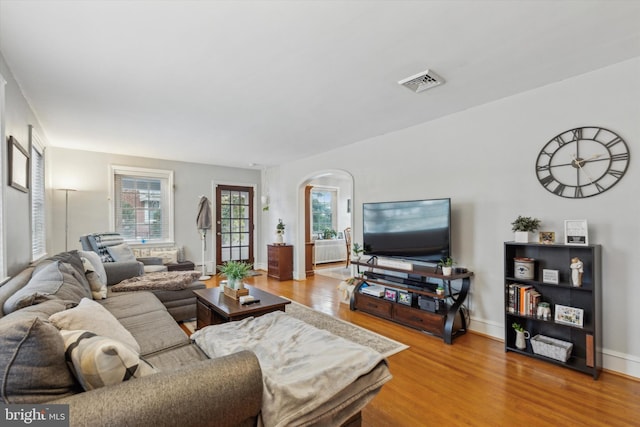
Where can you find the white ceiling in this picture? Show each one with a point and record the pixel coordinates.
(266, 82)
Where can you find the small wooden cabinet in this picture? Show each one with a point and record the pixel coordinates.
(280, 261)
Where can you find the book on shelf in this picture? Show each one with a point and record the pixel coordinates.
(522, 299)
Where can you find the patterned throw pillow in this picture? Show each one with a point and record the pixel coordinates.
(98, 361)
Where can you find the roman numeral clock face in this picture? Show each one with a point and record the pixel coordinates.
(582, 162)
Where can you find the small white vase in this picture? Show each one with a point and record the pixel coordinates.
(521, 336)
(522, 236)
(446, 271)
(279, 238)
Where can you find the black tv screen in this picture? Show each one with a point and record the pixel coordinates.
(413, 230)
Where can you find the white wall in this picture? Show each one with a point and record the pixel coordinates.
(88, 172)
(484, 158)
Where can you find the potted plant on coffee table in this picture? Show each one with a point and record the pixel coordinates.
(235, 272)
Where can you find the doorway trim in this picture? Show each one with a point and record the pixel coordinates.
(300, 243)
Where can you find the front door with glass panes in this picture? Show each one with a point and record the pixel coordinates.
(234, 224)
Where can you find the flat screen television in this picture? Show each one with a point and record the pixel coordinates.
(413, 230)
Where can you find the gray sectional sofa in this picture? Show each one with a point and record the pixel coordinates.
(173, 382)
(188, 388)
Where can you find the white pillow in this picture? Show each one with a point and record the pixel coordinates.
(96, 263)
(99, 361)
(97, 283)
(93, 317)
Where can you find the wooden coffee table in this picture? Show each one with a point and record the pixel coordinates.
(215, 307)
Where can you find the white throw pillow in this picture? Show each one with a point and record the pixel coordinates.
(99, 361)
(93, 317)
(97, 281)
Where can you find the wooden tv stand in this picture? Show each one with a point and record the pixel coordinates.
(441, 323)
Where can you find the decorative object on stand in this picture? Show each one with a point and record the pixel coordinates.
(524, 268)
(440, 291)
(280, 232)
(203, 222)
(329, 233)
(577, 268)
(235, 272)
(576, 232)
(543, 311)
(405, 298)
(390, 294)
(521, 336)
(582, 162)
(447, 265)
(550, 276)
(522, 226)
(547, 237)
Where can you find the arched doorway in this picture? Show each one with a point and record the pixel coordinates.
(340, 183)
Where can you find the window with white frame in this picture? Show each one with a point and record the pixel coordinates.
(323, 209)
(38, 214)
(143, 204)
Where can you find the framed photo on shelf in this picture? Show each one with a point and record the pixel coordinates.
(569, 315)
(550, 276)
(391, 294)
(405, 297)
(576, 232)
(18, 166)
(547, 237)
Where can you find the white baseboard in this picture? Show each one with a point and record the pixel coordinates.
(615, 361)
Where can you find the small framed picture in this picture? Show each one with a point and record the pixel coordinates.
(569, 315)
(390, 294)
(18, 165)
(576, 232)
(405, 297)
(547, 237)
(550, 276)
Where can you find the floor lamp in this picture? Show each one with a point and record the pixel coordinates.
(66, 216)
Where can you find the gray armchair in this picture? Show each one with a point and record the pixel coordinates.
(117, 258)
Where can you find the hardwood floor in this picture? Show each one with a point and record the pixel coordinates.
(473, 382)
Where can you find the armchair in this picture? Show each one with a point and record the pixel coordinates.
(117, 257)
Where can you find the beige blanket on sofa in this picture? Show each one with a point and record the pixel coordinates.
(161, 280)
(303, 367)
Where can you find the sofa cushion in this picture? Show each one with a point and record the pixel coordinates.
(91, 316)
(100, 361)
(32, 363)
(121, 252)
(50, 280)
(95, 261)
(73, 259)
(12, 286)
(96, 276)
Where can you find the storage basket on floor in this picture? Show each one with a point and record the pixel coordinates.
(551, 347)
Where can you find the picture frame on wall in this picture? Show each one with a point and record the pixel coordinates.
(576, 232)
(18, 165)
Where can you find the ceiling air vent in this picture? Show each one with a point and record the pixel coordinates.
(422, 81)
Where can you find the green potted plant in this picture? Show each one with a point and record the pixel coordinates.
(447, 265)
(521, 335)
(357, 250)
(440, 290)
(235, 272)
(522, 226)
(329, 233)
(280, 232)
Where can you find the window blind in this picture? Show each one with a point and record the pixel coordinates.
(38, 214)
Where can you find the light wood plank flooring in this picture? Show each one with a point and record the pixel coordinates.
(472, 382)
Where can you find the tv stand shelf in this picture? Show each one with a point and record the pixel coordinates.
(445, 323)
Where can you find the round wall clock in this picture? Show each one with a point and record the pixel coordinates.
(582, 162)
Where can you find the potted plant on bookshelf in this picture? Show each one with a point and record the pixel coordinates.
(447, 265)
(521, 335)
(522, 226)
(235, 272)
(280, 232)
